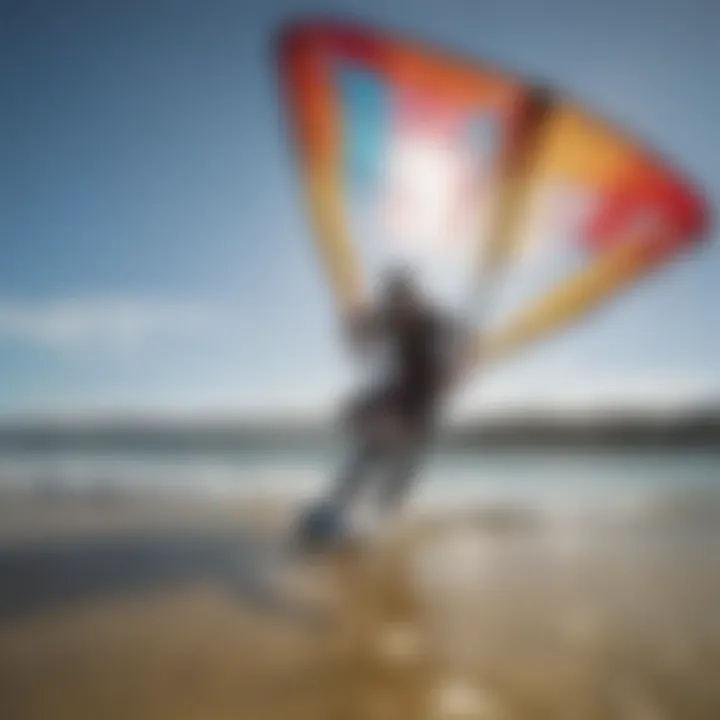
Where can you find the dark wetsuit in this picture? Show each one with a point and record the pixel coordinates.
(421, 347)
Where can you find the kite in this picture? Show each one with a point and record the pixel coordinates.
(487, 186)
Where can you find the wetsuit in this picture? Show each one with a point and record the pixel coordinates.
(393, 422)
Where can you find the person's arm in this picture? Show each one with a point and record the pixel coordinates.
(459, 350)
(362, 329)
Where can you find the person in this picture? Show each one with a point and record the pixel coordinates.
(392, 424)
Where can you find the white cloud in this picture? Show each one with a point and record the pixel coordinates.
(116, 323)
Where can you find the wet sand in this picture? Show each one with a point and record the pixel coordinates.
(120, 609)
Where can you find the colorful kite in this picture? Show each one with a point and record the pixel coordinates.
(476, 180)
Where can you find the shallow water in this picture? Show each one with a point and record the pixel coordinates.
(553, 480)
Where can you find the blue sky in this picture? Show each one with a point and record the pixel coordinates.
(155, 253)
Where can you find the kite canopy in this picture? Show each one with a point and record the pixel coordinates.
(475, 180)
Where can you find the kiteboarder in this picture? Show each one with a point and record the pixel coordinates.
(392, 423)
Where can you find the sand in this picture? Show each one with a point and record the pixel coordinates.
(184, 611)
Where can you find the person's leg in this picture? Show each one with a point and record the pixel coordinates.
(324, 521)
(352, 478)
(402, 462)
(366, 420)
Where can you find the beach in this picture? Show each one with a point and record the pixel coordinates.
(146, 608)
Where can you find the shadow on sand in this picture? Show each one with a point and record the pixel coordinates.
(44, 575)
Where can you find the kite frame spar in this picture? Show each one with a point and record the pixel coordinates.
(543, 134)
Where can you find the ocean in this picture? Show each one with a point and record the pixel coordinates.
(554, 480)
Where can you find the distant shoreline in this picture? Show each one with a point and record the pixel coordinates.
(628, 431)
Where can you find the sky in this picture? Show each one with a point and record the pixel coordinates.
(155, 251)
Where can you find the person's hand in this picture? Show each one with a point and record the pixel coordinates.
(358, 328)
